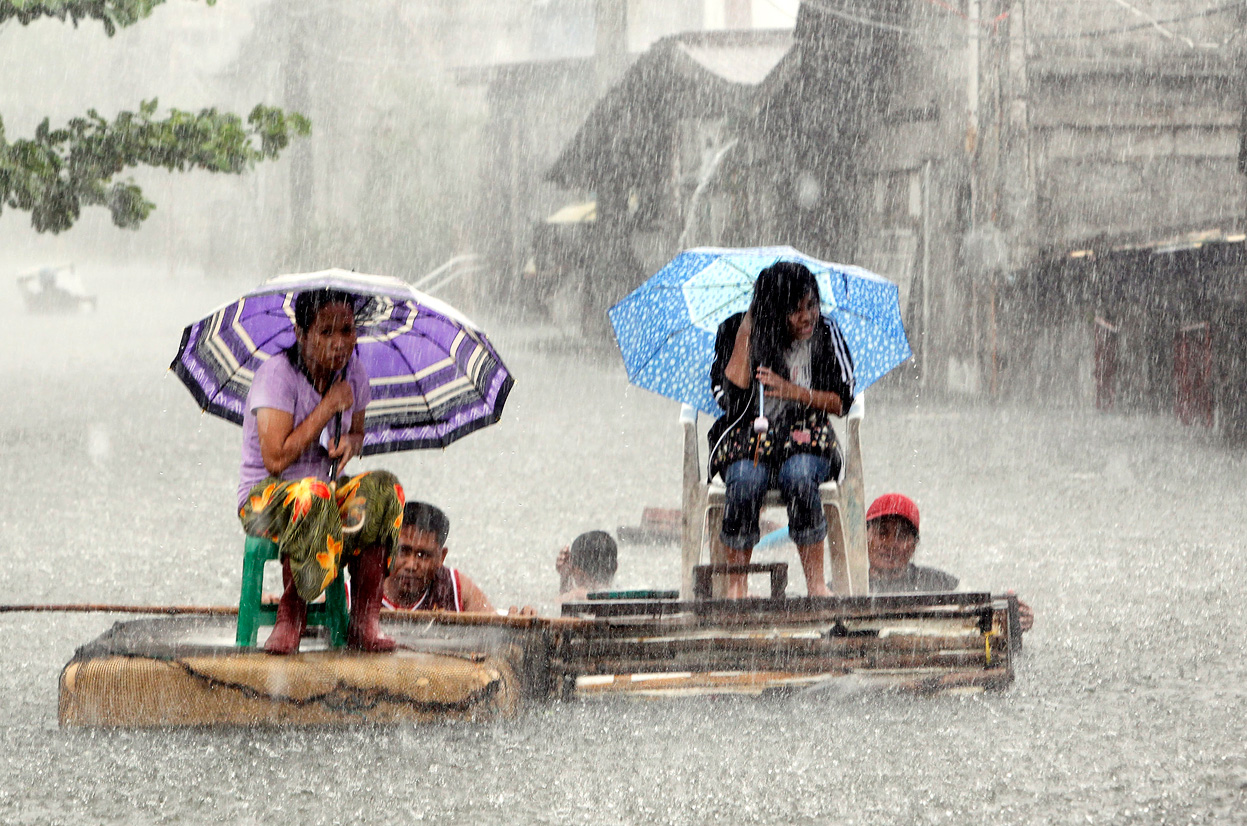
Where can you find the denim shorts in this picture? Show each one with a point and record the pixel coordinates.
(797, 480)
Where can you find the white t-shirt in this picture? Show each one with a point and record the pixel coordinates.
(800, 373)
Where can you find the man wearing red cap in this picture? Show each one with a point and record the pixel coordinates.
(892, 537)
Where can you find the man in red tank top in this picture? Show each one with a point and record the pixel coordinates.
(419, 580)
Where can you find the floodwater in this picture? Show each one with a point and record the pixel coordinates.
(1123, 532)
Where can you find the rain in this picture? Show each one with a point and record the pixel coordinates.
(1056, 188)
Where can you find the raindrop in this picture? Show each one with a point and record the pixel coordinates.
(809, 190)
(99, 444)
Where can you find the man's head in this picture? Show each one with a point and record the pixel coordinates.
(421, 550)
(892, 530)
(595, 557)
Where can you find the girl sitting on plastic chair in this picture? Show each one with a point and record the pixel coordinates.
(780, 372)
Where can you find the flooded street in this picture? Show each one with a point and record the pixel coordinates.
(1124, 533)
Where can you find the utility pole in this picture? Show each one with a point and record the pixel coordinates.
(612, 237)
(611, 47)
(302, 162)
(738, 14)
(970, 332)
(984, 249)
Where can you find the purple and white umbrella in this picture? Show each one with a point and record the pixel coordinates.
(434, 376)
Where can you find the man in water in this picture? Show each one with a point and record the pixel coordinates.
(892, 539)
(587, 565)
(419, 580)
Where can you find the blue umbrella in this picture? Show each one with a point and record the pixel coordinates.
(665, 327)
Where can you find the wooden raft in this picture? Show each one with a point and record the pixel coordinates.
(919, 643)
(184, 670)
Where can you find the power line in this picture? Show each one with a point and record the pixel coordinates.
(780, 9)
(1236, 4)
(853, 16)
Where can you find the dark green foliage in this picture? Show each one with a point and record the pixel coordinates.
(112, 13)
(58, 172)
(61, 170)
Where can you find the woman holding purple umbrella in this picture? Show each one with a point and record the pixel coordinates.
(780, 372)
(304, 417)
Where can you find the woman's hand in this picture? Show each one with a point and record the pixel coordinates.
(348, 447)
(563, 564)
(779, 387)
(339, 398)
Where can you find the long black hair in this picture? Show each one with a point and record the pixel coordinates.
(777, 293)
(309, 303)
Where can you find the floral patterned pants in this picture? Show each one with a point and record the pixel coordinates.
(315, 525)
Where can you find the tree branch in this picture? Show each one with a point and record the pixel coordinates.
(112, 13)
(58, 172)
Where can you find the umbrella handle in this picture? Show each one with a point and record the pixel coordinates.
(337, 429)
(337, 437)
(760, 424)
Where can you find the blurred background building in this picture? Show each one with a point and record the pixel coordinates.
(1056, 187)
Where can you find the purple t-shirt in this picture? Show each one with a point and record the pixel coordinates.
(279, 384)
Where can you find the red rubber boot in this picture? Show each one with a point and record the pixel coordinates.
(367, 573)
(291, 617)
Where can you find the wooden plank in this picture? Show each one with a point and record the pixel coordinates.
(758, 611)
(796, 646)
(930, 682)
(853, 498)
(709, 662)
(1069, 115)
(1122, 145)
(482, 618)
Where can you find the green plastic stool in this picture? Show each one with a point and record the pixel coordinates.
(253, 612)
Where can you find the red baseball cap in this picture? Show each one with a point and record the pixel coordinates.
(894, 504)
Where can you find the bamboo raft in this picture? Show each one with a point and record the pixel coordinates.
(921, 643)
(185, 671)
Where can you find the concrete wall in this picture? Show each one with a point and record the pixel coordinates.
(1039, 129)
(1133, 151)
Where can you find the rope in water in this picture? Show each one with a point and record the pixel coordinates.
(439, 617)
(105, 608)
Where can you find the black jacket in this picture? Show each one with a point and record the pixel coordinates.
(831, 368)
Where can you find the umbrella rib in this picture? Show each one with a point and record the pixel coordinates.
(412, 368)
(259, 348)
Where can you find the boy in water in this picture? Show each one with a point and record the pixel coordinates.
(587, 565)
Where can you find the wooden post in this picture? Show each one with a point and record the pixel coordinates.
(853, 495)
(837, 550)
(718, 553)
(692, 504)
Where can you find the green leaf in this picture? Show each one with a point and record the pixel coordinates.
(112, 14)
(60, 170)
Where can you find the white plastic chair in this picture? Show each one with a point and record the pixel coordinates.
(843, 502)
